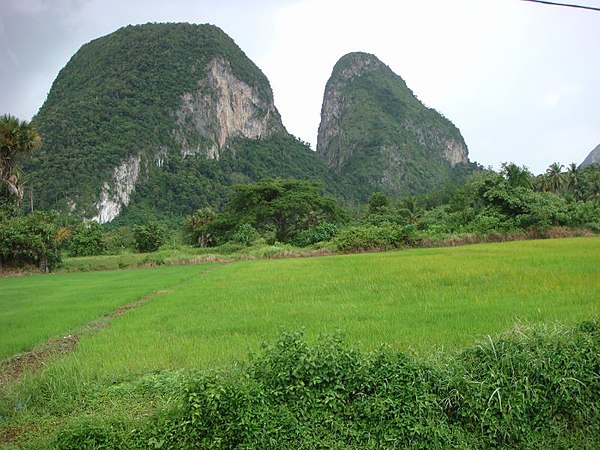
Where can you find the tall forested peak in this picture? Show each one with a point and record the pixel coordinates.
(592, 158)
(380, 137)
(147, 98)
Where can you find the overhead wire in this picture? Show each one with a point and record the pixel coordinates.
(592, 8)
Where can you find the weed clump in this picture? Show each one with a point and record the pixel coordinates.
(536, 387)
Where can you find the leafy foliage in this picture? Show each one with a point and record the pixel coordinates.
(17, 139)
(149, 237)
(373, 237)
(533, 388)
(31, 239)
(88, 240)
(287, 206)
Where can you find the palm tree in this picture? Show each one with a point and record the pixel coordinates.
(17, 138)
(572, 177)
(410, 209)
(554, 179)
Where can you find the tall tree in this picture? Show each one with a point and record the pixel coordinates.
(287, 205)
(17, 138)
(516, 176)
(554, 179)
(572, 177)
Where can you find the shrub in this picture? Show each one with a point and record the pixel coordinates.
(31, 239)
(245, 234)
(119, 240)
(370, 237)
(87, 240)
(149, 237)
(533, 388)
(321, 232)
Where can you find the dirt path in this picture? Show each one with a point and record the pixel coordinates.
(14, 368)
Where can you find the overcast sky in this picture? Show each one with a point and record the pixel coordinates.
(520, 80)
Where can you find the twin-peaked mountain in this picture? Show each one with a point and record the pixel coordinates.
(158, 120)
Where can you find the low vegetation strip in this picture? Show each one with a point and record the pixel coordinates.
(532, 388)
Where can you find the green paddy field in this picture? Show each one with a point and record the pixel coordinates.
(130, 324)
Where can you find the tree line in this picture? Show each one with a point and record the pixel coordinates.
(299, 213)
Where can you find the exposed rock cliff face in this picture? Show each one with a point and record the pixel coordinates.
(222, 108)
(116, 193)
(375, 132)
(592, 158)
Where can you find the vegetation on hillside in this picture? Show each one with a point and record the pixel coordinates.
(117, 98)
(388, 140)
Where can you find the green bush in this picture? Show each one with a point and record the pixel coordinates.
(321, 232)
(119, 240)
(370, 237)
(149, 237)
(245, 234)
(31, 239)
(536, 387)
(87, 240)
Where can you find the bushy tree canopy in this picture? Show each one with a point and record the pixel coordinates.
(287, 205)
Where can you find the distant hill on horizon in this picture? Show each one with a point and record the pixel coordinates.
(592, 158)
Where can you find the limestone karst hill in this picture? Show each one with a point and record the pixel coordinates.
(159, 120)
(378, 136)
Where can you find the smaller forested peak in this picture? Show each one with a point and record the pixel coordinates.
(355, 64)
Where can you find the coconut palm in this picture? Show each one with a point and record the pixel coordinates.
(554, 179)
(572, 177)
(410, 209)
(17, 138)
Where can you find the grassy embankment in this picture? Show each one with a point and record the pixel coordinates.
(420, 300)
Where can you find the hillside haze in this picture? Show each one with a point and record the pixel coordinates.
(158, 120)
(592, 158)
(378, 136)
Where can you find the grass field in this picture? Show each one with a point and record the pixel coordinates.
(210, 315)
(417, 299)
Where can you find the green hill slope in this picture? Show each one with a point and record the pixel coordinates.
(379, 137)
(159, 120)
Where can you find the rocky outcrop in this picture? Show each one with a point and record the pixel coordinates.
(592, 158)
(116, 194)
(375, 131)
(222, 108)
